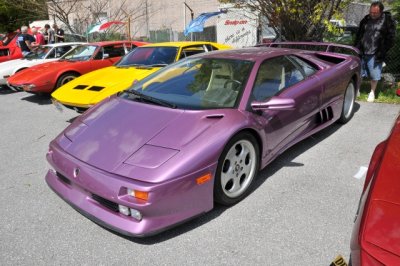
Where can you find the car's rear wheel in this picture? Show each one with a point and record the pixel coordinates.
(348, 104)
(65, 78)
(237, 167)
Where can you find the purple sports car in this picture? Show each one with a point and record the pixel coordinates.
(195, 133)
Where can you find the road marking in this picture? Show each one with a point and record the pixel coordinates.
(361, 172)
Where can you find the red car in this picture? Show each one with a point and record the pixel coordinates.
(9, 49)
(47, 77)
(376, 232)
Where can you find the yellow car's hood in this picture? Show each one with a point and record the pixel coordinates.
(95, 86)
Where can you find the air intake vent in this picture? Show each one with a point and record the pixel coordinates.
(96, 88)
(325, 115)
(63, 179)
(80, 87)
(106, 203)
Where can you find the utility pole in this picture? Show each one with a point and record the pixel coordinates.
(191, 15)
(147, 21)
(128, 25)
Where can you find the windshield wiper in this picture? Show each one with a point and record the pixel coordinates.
(158, 65)
(150, 99)
(138, 66)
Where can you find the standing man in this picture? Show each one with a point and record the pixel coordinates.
(374, 38)
(39, 38)
(48, 34)
(58, 33)
(25, 41)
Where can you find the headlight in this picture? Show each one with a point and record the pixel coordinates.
(28, 87)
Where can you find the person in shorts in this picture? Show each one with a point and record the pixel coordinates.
(375, 36)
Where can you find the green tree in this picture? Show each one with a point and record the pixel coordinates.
(14, 14)
(297, 20)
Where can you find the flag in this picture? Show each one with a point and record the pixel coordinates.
(197, 24)
(103, 26)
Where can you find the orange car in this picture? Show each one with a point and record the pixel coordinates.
(47, 77)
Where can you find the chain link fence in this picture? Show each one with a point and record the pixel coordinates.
(391, 71)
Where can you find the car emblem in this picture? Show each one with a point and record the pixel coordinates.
(76, 172)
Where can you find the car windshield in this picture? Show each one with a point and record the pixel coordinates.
(149, 56)
(39, 53)
(80, 53)
(195, 83)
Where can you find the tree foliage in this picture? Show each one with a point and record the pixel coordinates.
(14, 14)
(297, 20)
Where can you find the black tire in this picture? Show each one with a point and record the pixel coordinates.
(65, 78)
(348, 103)
(237, 167)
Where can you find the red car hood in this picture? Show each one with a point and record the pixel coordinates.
(37, 71)
(113, 131)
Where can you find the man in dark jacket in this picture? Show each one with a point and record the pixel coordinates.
(374, 38)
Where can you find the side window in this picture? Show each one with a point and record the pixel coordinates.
(192, 50)
(60, 51)
(275, 75)
(129, 47)
(52, 54)
(114, 50)
(307, 68)
(99, 54)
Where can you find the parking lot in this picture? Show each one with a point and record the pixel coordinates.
(300, 213)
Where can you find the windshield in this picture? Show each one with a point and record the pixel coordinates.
(149, 56)
(196, 83)
(81, 53)
(39, 53)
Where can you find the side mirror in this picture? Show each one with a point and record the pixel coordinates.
(275, 103)
(105, 56)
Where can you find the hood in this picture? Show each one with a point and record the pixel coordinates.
(23, 63)
(36, 73)
(119, 130)
(53, 66)
(99, 84)
(111, 76)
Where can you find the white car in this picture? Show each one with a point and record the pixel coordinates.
(44, 53)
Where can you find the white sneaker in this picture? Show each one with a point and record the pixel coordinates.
(371, 97)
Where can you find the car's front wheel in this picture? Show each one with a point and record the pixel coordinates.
(65, 78)
(237, 168)
(348, 104)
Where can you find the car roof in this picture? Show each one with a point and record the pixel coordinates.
(177, 44)
(251, 53)
(62, 44)
(103, 43)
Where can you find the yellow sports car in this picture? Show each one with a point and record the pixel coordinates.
(89, 89)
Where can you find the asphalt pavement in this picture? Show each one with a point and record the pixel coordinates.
(300, 213)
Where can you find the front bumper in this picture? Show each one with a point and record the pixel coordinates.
(47, 88)
(96, 194)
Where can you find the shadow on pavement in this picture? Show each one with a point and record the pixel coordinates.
(6, 90)
(43, 99)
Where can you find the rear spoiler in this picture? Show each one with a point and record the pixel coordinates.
(315, 46)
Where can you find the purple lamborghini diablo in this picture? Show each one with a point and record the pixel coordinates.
(197, 132)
